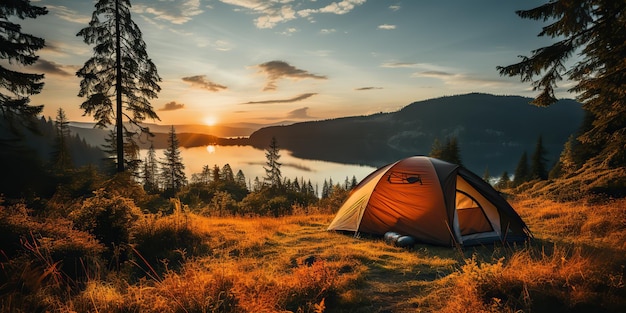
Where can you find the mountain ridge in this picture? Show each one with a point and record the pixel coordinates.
(493, 131)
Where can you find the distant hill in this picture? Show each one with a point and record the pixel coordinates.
(493, 132)
(96, 136)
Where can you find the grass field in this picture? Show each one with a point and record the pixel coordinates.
(190, 263)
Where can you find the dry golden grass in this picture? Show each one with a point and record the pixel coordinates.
(292, 264)
(601, 224)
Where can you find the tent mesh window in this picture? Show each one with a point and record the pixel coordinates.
(472, 218)
(404, 178)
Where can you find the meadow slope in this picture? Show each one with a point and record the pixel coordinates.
(190, 263)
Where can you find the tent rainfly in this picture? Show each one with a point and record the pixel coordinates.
(434, 201)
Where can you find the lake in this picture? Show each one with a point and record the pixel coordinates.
(251, 162)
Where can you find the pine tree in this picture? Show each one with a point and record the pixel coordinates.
(120, 69)
(521, 171)
(594, 32)
(256, 185)
(538, 167)
(453, 152)
(172, 167)
(437, 150)
(449, 152)
(504, 181)
(227, 173)
(216, 173)
(326, 189)
(273, 176)
(151, 171)
(487, 175)
(204, 177)
(19, 48)
(240, 179)
(61, 158)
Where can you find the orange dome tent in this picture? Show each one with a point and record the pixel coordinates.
(435, 202)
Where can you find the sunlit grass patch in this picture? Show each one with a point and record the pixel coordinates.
(529, 280)
(602, 224)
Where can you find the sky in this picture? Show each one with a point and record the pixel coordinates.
(269, 61)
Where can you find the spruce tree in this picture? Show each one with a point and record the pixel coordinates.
(216, 173)
(538, 167)
(452, 151)
(354, 182)
(487, 175)
(521, 171)
(61, 157)
(592, 34)
(437, 150)
(240, 179)
(19, 48)
(504, 181)
(227, 173)
(120, 69)
(273, 176)
(172, 167)
(151, 171)
(449, 152)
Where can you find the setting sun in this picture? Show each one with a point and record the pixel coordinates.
(210, 120)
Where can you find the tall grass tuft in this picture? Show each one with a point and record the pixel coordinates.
(530, 280)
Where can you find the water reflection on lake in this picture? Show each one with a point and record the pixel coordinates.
(251, 161)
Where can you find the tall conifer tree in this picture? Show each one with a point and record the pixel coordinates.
(538, 167)
(61, 158)
(594, 31)
(120, 79)
(522, 172)
(273, 176)
(151, 171)
(172, 167)
(19, 48)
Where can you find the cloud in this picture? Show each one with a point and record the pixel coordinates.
(299, 113)
(399, 65)
(294, 99)
(289, 31)
(52, 68)
(367, 88)
(395, 7)
(201, 81)
(174, 12)
(459, 78)
(341, 7)
(273, 12)
(68, 15)
(172, 106)
(433, 74)
(387, 27)
(275, 70)
(326, 31)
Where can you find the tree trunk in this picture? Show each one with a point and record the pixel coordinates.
(118, 91)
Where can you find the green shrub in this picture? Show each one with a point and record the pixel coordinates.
(109, 217)
(165, 243)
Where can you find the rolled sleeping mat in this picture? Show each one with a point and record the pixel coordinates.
(391, 237)
(405, 241)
